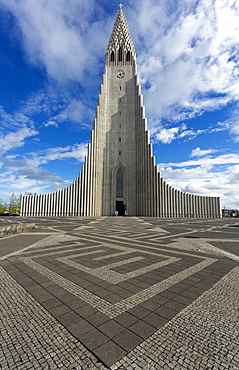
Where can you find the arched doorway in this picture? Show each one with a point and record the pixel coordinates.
(120, 207)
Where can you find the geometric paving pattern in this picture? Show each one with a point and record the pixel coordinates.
(113, 282)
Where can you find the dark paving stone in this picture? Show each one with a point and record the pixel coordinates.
(197, 290)
(109, 353)
(45, 296)
(97, 319)
(168, 294)
(59, 310)
(142, 329)
(126, 319)
(159, 299)
(56, 290)
(111, 339)
(75, 304)
(86, 311)
(231, 247)
(79, 328)
(93, 339)
(176, 306)
(155, 320)
(65, 297)
(127, 339)
(52, 303)
(181, 299)
(166, 312)
(150, 305)
(134, 288)
(190, 295)
(139, 311)
(113, 298)
(14, 243)
(111, 328)
(68, 318)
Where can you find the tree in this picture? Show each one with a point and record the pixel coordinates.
(2, 207)
(14, 204)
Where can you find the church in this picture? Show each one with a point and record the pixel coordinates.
(119, 176)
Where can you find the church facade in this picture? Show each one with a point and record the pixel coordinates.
(119, 175)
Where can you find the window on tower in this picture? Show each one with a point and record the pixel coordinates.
(112, 56)
(128, 56)
(120, 55)
(119, 183)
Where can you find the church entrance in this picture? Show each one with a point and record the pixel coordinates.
(120, 207)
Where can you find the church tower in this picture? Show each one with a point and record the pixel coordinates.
(124, 168)
(119, 173)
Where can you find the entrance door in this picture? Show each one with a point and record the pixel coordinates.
(120, 207)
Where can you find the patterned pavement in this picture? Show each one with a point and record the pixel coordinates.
(121, 293)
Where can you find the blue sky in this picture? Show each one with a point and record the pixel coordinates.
(51, 66)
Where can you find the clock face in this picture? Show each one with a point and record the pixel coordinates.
(120, 74)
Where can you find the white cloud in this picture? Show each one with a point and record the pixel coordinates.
(206, 161)
(207, 180)
(77, 151)
(60, 35)
(166, 136)
(187, 60)
(193, 51)
(188, 64)
(75, 111)
(198, 152)
(50, 123)
(218, 176)
(15, 139)
(26, 173)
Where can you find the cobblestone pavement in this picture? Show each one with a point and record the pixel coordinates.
(121, 293)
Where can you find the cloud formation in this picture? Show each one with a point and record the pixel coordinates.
(198, 152)
(208, 174)
(60, 36)
(193, 52)
(188, 64)
(16, 139)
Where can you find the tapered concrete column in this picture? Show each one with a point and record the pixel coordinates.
(196, 207)
(163, 198)
(199, 206)
(172, 202)
(166, 200)
(210, 207)
(203, 207)
(54, 204)
(208, 212)
(22, 206)
(179, 203)
(182, 195)
(189, 205)
(193, 205)
(169, 201)
(219, 211)
(214, 207)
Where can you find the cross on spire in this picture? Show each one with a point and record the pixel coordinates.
(120, 6)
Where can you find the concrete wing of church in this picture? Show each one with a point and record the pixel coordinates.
(119, 175)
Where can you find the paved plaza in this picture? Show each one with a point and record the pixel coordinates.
(120, 293)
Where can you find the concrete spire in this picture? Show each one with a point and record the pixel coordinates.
(120, 36)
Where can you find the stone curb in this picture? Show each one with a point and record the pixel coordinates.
(15, 229)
